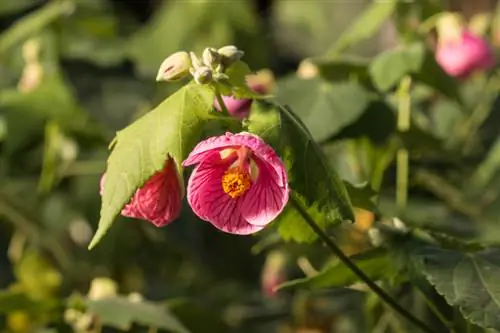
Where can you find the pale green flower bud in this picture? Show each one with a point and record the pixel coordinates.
(230, 54)
(211, 57)
(195, 61)
(175, 67)
(203, 75)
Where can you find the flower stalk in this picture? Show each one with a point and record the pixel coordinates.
(354, 268)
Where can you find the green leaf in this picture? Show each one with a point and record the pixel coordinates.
(292, 227)
(342, 68)
(141, 149)
(33, 23)
(310, 175)
(466, 280)
(324, 107)
(375, 264)
(121, 313)
(365, 25)
(391, 66)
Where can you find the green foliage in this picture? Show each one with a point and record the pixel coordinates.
(310, 175)
(121, 312)
(466, 280)
(325, 108)
(170, 130)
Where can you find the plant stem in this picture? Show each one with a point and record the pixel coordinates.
(402, 157)
(355, 269)
(222, 105)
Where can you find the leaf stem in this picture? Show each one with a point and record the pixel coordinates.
(220, 100)
(402, 158)
(355, 269)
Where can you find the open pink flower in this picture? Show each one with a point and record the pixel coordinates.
(239, 184)
(158, 200)
(240, 108)
(465, 55)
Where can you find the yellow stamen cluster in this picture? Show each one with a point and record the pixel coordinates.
(236, 182)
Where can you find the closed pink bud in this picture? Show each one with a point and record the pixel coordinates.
(273, 273)
(460, 57)
(158, 200)
(240, 107)
(260, 82)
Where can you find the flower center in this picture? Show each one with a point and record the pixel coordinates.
(236, 182)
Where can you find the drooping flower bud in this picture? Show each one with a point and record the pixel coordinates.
(273, 273)
(159, 199)
(203, 75)
(229, 54)
(211, 57)
(459, 51)
(175, 67)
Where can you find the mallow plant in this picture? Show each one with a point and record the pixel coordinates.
(248, 159)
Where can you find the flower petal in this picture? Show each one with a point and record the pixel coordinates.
(210, 203)
(266, 199)
(262, 150)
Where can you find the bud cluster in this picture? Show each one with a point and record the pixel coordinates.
(210, 68)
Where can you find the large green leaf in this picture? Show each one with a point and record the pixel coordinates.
(310, 175)
(375, 264)
(466, 280)
(120, 312)
(365, 25)
(324, 107)
(388, 68)
(141, 149)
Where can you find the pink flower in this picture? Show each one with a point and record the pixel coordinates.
(240, 108)
(239, 184)
(158, 200)
(460, 57)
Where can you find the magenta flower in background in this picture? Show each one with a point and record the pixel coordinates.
(460, 57)
(240, 108)
(158, 200)
(239, 184)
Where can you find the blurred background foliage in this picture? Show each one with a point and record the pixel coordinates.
(73, 72)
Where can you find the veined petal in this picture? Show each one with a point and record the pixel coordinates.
(204, 187)
(210, 203)
(266, 199)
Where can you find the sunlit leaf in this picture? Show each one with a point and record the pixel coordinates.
(141, 149)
